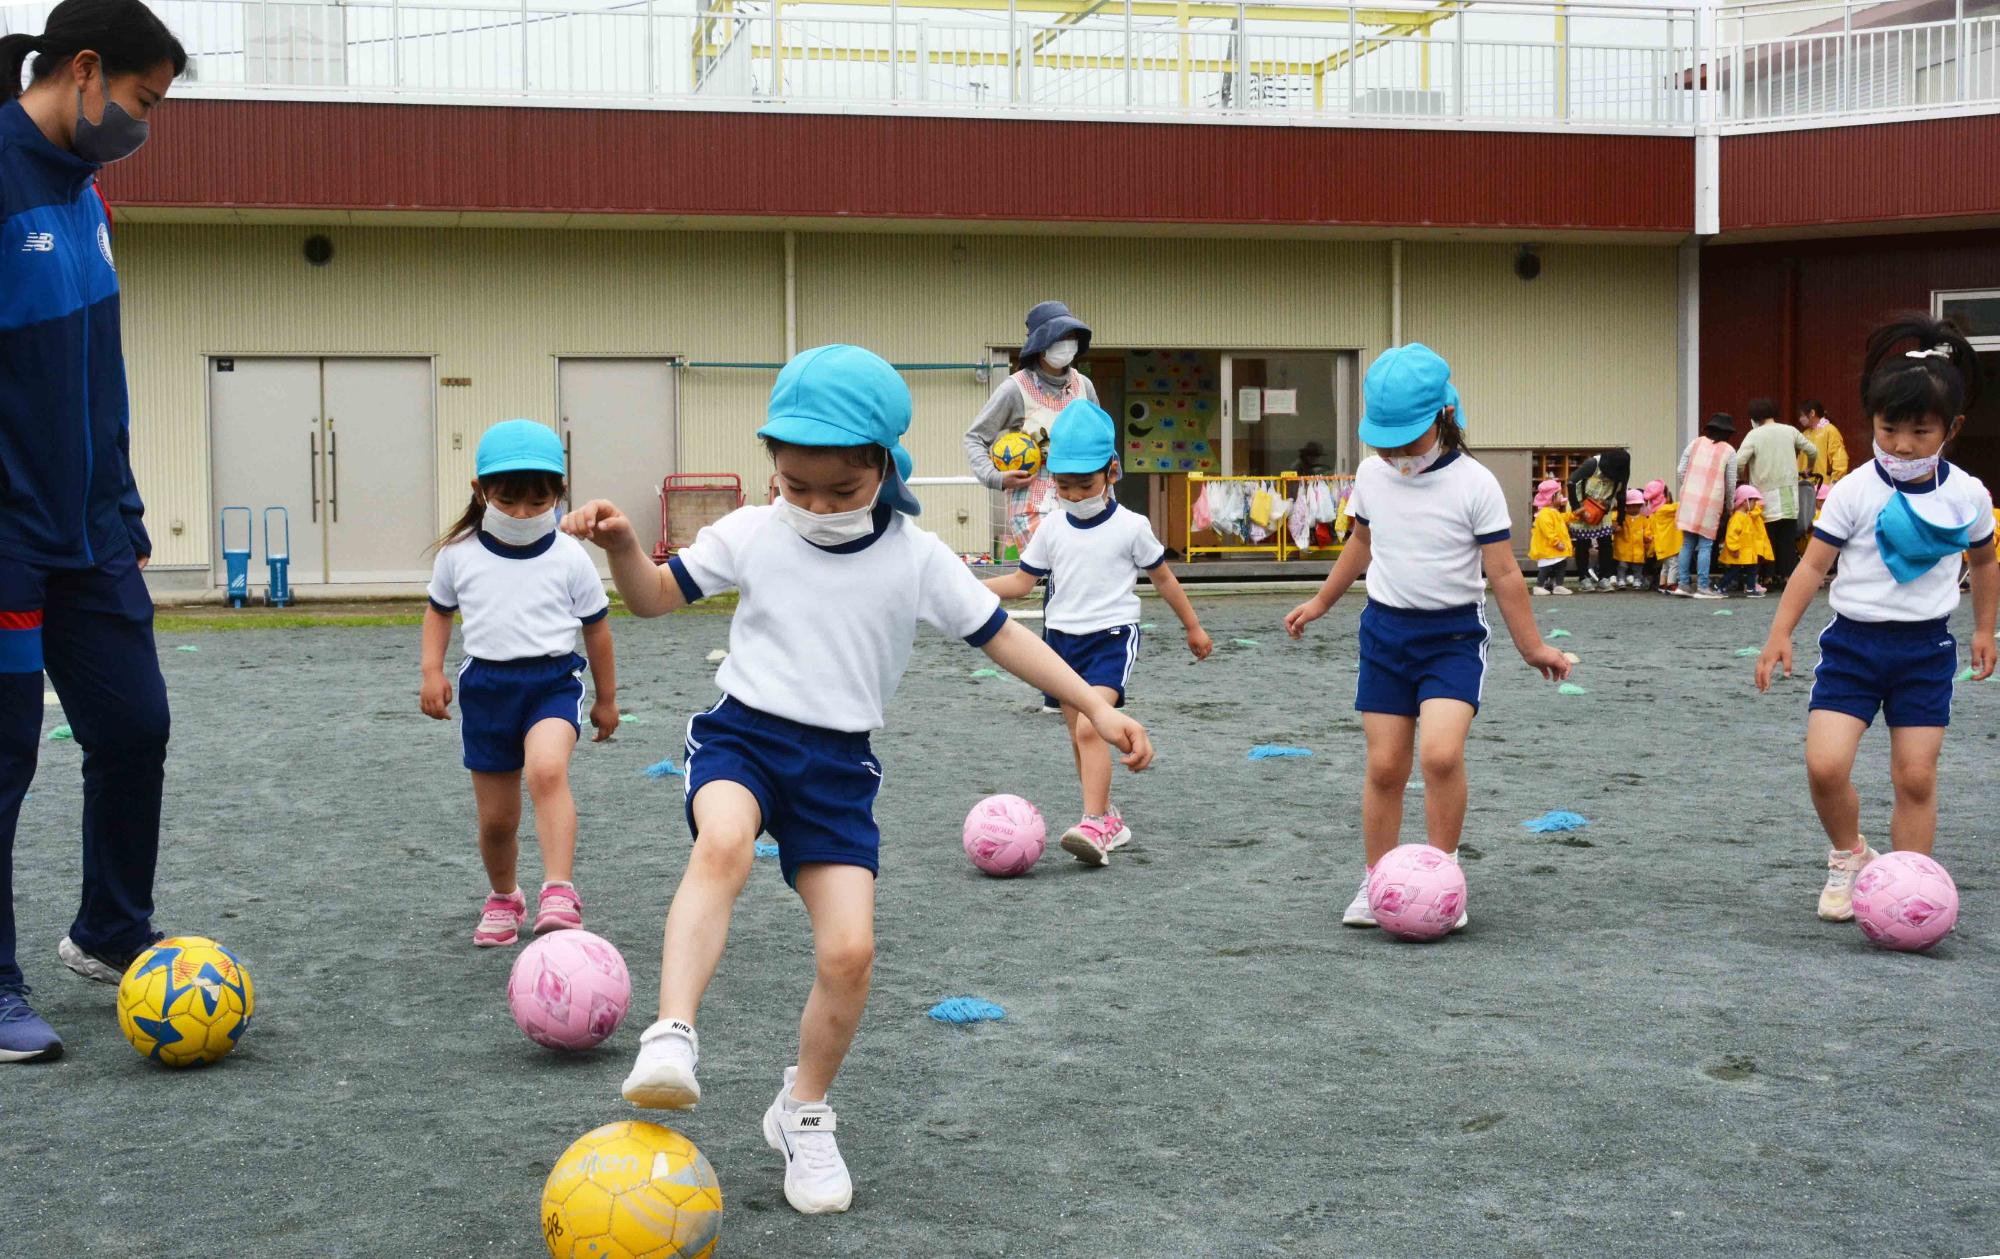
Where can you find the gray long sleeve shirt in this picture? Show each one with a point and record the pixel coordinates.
(1006, 409)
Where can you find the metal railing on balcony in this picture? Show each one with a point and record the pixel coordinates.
(1489, 63)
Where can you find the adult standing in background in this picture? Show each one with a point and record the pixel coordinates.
(1708, 484)
(1829, 465)
(1769, 459)
(1597, 487)
(72, 541)
(1029, 401)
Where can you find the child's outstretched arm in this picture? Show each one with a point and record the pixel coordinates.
(603, 678)
(1036, 663)
(1352, 563)
(1018, 584)
(1510, 591)
(1799, 592)
(646, 588)
(1985, 602)
(435, 698)
(1175, 596)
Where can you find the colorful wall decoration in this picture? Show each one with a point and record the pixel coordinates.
(1170, 411)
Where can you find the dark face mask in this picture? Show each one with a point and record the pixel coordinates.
(118, 136)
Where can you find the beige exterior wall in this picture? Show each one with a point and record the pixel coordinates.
(1583, 356)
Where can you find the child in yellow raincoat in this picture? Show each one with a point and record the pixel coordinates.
(1628, 543)
(1746, 543)
(1664, 545)
(1550, 545)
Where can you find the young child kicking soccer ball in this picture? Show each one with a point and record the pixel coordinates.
(1092, 556)
(832, 580)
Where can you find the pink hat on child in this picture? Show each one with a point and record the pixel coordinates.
(1546, 493)
(1655, 492)
(1747, 494)
(1634, 498)
(1821, 494)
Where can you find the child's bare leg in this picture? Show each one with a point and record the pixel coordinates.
(841, 900)
(727, 820)
(1831, 741)
(549, 745)
(1390, 739)
(1913, 758)
(1071, 719)
(1093, 758)
(1441, 751)
(498, 797)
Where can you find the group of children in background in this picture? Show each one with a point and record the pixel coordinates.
(1643, 537)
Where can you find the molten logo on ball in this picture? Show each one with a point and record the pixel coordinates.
(1416, 892)
(1004, 836)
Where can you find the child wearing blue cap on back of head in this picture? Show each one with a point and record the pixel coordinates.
(1092, 555)
(833, 578)
(1428, 520)
(522, 590)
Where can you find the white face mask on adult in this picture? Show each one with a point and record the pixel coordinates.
(518, 530)
(834, 528)
(1059, 356)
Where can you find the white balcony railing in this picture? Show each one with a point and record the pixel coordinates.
(1488, 63)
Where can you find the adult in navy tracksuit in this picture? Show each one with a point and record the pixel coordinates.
(72, 601)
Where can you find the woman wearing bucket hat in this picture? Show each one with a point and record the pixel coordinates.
(72, 541)
(1708, 484)
(1029, 401)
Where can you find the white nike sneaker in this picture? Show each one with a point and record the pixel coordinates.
(1836, 899)
(816, 1179)
(1358, 914)
(663, 1076)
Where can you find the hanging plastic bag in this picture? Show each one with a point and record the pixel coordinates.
(1199, 517)
(1260, 506)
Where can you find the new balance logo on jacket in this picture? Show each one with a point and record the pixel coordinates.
(39, 243)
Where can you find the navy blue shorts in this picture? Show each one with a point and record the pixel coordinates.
(499, 701)
(815, 787)
(1101, 657)
(1903, 668)
(1409, 656)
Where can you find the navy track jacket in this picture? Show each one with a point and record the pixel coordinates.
(67, 498)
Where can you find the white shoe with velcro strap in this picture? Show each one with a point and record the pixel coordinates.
(816, 1179)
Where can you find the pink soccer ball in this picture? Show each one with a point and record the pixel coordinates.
(569, 990)
(1905, 901)
(1416, 892)
(1004, 836)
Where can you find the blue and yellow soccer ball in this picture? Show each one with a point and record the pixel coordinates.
(1015, 451)
(185, 1002)
(631, 1190)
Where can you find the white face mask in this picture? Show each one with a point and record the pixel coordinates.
(1906, 469)
(1411, 465)
(835, 528)
(518, 530)
(1084, 508)
(1060, 355)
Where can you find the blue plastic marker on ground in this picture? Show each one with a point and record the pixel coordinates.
(1273, 751)
(962, 1010)
(765, 848)
(665, 769)
(1556, 820)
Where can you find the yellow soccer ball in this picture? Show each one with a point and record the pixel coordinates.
(1015, 451)
(185, 1002)
(631, 1190)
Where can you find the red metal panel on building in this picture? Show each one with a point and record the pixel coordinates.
(1938, 168)
(279, 154)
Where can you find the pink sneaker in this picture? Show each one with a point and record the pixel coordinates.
(500, 920)
(560, 907)
(1089, 842)
(1117, 834)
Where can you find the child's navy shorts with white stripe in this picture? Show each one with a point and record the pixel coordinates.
(815, 787)
(1902, 668)
(1410, 655)
(1102, 657)
(499, 701)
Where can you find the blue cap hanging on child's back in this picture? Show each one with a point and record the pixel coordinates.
(1402, 393)
(843, 395)
(1083, 439)
(519, 446)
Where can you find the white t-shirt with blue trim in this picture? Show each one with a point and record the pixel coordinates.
(519, 602)
(1863, 588)
(822, 635)
(1425, 531)
(1093, 567)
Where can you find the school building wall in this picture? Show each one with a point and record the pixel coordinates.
(1582, 357)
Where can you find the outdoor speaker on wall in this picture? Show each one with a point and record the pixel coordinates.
(1527, 263)
(318, 250)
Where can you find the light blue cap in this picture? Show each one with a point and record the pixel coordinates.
(520, 446)
(843, 395)
(1402, 393)
(1084, 439)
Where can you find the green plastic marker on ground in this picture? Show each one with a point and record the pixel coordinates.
(61, 734)
(1571, 688)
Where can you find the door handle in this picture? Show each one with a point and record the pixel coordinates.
(333, 473)
(312, 469)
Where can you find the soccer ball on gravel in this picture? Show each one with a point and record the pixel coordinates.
(569, 990)
(632, 1190)
(1416, 892)
(1905, 901)
(185, 1002)
(1005, 836)
(1016, 452)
